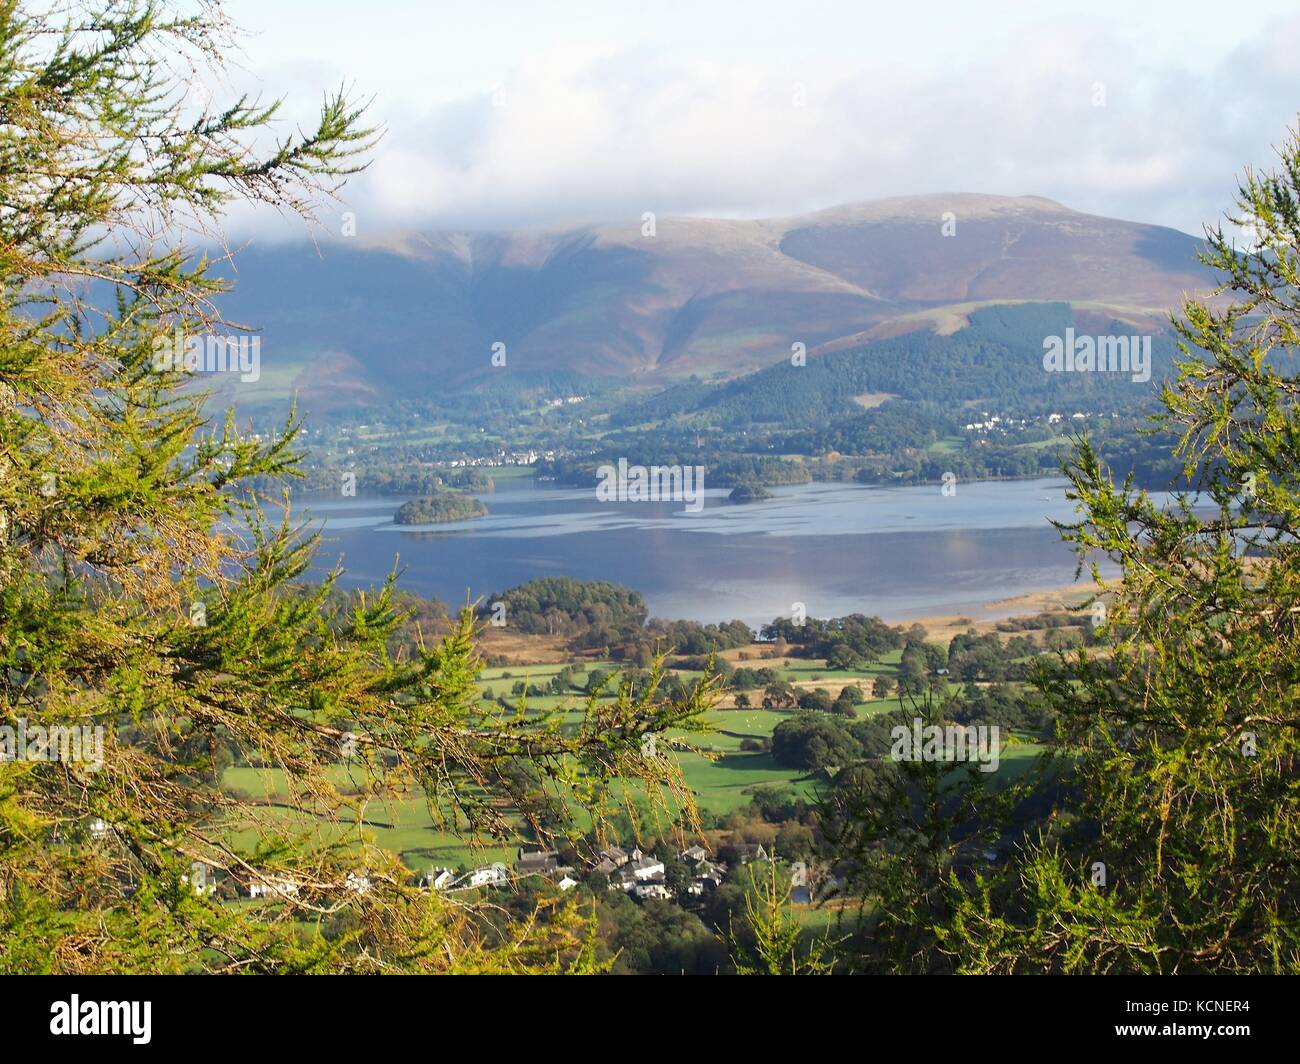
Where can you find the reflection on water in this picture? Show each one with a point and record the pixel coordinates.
(896, 552)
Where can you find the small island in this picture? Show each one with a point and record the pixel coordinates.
(439, 509)
(749, 493)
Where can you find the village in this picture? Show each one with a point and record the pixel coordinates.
(632, 870)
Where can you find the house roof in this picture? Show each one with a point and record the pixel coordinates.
(538, 861)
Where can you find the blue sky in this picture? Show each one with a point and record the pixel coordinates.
(556, 111)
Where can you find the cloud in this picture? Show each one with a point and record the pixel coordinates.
(1072, 112)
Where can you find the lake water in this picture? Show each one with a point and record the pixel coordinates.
(838, 548)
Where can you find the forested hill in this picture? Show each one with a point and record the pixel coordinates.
(997, 360)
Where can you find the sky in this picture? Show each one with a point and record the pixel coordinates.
(547, 113)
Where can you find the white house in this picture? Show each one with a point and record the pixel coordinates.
(273, 888)
(647, 868)
(493, 875)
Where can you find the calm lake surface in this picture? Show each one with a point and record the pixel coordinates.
(837, 548)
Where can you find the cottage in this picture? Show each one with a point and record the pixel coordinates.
(537, 862)
(638, 873)
(708, 876)
(615, 855)
(646, 868)
(493, 875)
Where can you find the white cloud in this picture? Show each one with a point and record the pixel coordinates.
(596, 133)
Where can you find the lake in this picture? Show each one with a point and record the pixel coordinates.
(897, 553)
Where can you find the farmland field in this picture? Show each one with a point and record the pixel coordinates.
(722, 776)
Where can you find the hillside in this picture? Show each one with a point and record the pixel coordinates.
(417, 314)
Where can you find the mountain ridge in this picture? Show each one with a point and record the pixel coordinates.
(414, 313)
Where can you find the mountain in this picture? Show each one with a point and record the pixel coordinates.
(414, 314)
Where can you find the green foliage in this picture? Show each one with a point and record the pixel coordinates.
(749, 493)
(143, 589)
(900, 830)
(997, 360)
(814, 741)
(769, 940)
(598, 611)
(439, 509)
(1172, 845)
(855, 638)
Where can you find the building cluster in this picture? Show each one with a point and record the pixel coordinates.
(996, 422)
(202, 879)
(501, 458)
(632, 870)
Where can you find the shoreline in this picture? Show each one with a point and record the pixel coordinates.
(939, 628)
(942, 627)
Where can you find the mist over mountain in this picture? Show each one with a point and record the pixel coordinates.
(351, 322)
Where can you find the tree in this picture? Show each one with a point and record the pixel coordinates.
(778, 695)
(813, 741)
(912, 671)
(900, 831)
(129, 602)
(769, 940)
(795, 840)
(841, 657)
(1174, 848)
(819, 700)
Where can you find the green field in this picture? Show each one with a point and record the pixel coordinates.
(400, 825)
(722, 776)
